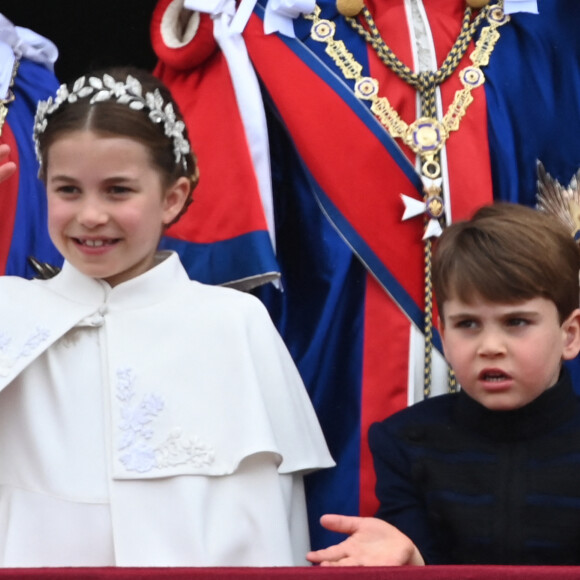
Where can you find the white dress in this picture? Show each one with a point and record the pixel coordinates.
(158, 423)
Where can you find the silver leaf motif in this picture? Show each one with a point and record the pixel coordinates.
(129, 93)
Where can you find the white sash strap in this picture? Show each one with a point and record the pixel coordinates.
(248, 95)
(279, 15)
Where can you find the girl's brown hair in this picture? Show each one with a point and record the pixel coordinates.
(112, 118)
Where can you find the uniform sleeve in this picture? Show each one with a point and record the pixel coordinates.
(398, 489)
(227, 239)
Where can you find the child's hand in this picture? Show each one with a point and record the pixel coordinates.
(371, 542)
(7, 168)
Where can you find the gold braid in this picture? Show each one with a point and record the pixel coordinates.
(426, 83)
(426, 136)
(422, 80)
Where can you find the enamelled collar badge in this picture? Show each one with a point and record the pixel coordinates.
(128, 93)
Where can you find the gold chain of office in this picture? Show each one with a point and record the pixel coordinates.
(426, 136)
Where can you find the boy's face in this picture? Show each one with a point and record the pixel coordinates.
(506, 355)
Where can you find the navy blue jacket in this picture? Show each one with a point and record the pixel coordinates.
(474, 486)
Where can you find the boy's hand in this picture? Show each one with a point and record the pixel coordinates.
(7, 168)
(371, 542)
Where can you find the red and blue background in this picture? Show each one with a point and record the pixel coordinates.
(351, 270)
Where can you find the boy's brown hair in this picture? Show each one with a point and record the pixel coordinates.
(507, 253)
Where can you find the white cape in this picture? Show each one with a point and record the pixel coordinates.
(158, 423)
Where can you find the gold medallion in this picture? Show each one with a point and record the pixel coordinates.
(435, 207)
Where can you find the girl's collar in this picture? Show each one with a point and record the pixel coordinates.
(150, 287)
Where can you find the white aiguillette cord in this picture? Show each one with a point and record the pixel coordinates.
(247, 90)
(229, 23)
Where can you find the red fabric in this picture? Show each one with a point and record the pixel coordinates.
(316, 573)
(354, 177)
(467, 148)
(378, 392)
(385, 377)
(357, 176)
(8, 199)
(356, 181)
(227, 203)
(194, 53)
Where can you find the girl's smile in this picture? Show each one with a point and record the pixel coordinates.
(96, 243)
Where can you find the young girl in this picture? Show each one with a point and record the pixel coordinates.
(145, 419)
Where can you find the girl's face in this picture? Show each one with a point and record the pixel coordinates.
(106, 204)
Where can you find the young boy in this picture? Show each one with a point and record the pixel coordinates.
(489, 475)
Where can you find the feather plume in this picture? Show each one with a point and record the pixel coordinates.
(562, 202)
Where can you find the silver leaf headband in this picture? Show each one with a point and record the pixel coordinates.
(129, 93)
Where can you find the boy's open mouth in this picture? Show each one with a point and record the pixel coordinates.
(493, 376)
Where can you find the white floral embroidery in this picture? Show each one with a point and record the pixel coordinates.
(10, 356)
(4, 341)
(8, 359)
(178, 450)
(136, 433)
(39, 336)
